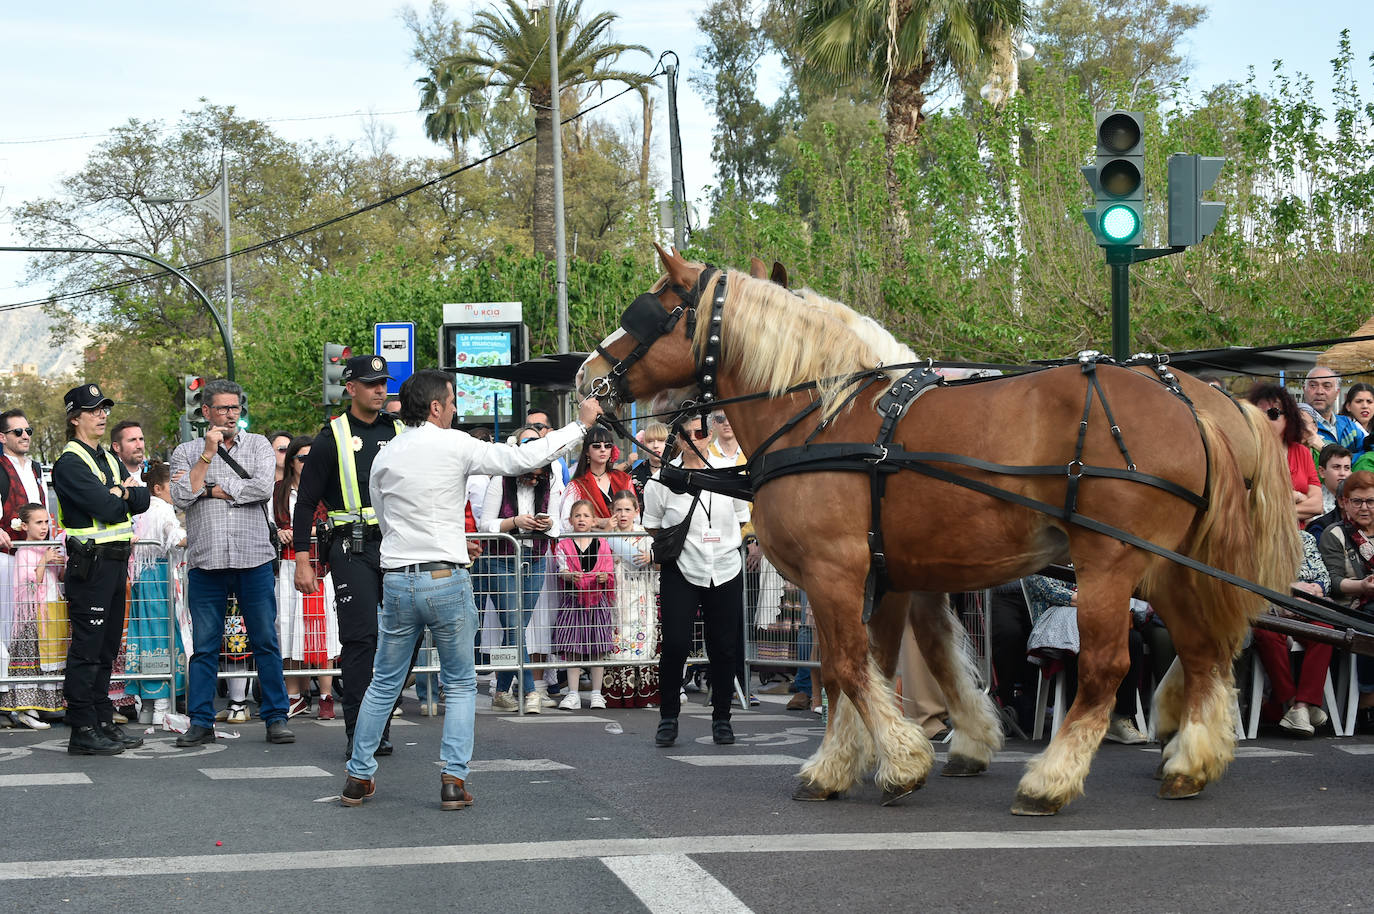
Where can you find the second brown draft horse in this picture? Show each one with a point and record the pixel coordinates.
(1235, 513)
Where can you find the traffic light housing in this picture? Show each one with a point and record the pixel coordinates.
(1191, 218)
(335, 355)
(192, 391)
(1117, 179)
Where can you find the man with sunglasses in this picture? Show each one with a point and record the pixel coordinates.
(21, 481)
(96, 505)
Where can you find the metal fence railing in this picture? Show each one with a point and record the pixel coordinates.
(540, 610)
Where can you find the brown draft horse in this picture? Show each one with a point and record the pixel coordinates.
(944, 538)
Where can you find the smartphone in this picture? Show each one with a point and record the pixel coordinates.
(541, 516)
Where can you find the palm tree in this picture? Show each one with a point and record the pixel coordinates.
(516, 58)
(901, 45)
(453, 117)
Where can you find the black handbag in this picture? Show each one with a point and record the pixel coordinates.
(669, 541)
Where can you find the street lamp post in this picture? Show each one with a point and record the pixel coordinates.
(215, 202)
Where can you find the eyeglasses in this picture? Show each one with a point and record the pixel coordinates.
(283, 449)
(1273, 413)
(21, 432)
(225, 410)
(527, 440)
(1361, 502)
(539, 426)
(300, 458)
(720, 419)
(605, 444)
(700, 433)
(98, 411)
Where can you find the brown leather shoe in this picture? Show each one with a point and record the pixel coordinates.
(356, 790)
(452, 793)
(800, 702)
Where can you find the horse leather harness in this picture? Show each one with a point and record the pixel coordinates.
(885, 457)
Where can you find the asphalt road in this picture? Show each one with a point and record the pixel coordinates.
(570, 816)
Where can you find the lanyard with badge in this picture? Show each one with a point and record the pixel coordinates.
(710, 534)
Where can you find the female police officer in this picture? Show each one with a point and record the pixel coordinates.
(96, 506)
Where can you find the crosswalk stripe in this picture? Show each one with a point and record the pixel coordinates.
(732, 759)
(270, 771)
(673, 884)
(1358, 748)
(517, 764)
(52, 779)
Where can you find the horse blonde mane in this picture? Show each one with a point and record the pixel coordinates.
(776, 339)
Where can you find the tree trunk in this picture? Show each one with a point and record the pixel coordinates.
(541, 217)
(905, 103)
(644, 146)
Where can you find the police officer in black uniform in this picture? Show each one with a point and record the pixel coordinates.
(96, 505)
(337, 472)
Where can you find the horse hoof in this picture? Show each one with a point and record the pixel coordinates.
(1180, 787)
(1027, 805)
(962, 766)
(894, 795)
(807, 792)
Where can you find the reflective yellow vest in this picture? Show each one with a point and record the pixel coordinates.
(353, 507)
(101, 532)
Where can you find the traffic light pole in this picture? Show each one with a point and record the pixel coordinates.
(1120, 258)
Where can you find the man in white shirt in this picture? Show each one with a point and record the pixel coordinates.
(418, 483)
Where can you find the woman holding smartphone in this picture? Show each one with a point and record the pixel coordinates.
(519, 505)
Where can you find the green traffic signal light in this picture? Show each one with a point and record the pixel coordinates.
(1120, 223)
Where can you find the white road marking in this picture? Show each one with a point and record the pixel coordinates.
(270, 771)
(733, 760)
(551, 718)
(1266, 752)
(517, 764)
(673, 884)
(1358, 749)
(43, 780)
(539, 851)
(741, 718)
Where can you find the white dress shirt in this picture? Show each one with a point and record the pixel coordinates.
(489, 521)
(711, 554)
(419, 483)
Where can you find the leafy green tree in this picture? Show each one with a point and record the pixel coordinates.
(515, 57)
(901, 45)
(1110, 43)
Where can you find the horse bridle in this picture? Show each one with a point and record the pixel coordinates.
(645, 321)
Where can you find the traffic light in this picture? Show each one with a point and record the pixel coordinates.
(1117, 179)
(192, 391)
(335, 355)
(1191, 218)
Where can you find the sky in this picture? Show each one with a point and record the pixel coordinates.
(314, 69)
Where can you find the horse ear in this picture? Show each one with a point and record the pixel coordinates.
(757, 268)
(779, 274)
(676, 267)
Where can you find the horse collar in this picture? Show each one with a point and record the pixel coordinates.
(710, 359)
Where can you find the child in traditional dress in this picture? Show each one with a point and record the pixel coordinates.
(37, 643)
(585, 624)
(636, 604)
(153, 644)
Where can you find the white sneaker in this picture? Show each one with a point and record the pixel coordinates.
(545, 701)
(571, 702)
(533, 704)
(1316, 717)
(1297, 722)
(159, 715)
(1123, 730)
(597, 702)
(30, 720)
(504, 701)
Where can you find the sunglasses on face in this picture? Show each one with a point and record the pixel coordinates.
(300, 458)
(21, 432)
(605, 444)
(538, 426)
(283, 449)
(1274, 413)
(700, 434)
(527, 440)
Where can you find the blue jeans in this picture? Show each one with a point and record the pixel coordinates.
(532, 578)
(207, 598)
(802, 682)
(411, 601)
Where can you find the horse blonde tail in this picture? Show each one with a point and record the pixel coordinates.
(1252, 536)
(1278, 549)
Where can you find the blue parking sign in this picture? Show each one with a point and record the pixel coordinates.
(395, 342)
